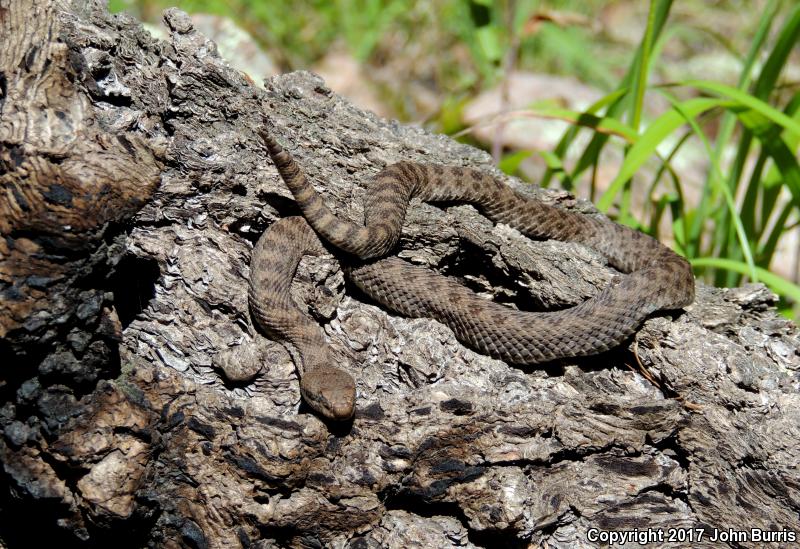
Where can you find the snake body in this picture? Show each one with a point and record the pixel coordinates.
(657, 278)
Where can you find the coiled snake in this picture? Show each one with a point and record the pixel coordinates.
(657, 277)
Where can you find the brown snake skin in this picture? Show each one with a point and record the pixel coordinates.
(657, 277)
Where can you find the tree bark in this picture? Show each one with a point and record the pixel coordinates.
(133, 188)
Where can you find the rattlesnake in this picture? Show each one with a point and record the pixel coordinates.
(657, 277)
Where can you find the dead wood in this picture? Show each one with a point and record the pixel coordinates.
(133, 187)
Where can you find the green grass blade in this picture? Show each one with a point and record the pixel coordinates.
(678, 205)
(762, 32)
(723, 242)
(750, 202)
(767, 250)
(744, 243)
(591, 153)
(610, 101)
(776, 283)
(723, 138)
(780, 148)
(748, 101)
(783, 171)
(600, 124)
(647, 144)
(643, 68)
(556, 167)
(787, 38)
(509, 163)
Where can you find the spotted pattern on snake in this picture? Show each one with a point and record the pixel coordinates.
(657, 278)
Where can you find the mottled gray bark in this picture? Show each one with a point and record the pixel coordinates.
(125, 421)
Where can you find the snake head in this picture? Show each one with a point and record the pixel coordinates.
(330, 392)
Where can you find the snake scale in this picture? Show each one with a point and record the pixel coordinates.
(657, 278)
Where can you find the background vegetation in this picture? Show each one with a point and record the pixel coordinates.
(745, 124)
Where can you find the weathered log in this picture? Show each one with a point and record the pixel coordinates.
(124, 420)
